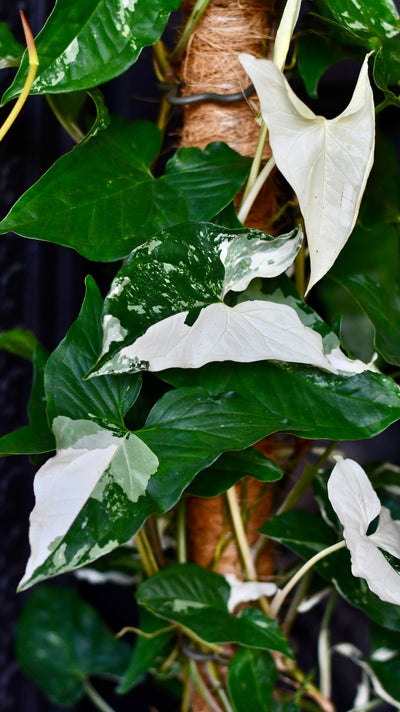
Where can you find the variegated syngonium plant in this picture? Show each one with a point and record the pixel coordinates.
(166, 306)
(326, 161)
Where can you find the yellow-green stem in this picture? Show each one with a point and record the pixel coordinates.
(255, 166)
(145, 553)
(218, 686)
(198, 9)
(254, 191)
(97, 700)
(33, 65)
(281, 595)
(307, 477)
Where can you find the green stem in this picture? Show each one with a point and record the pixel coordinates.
(324, 653)
(299, 271)
(187, 689)
(198, 9)
(161, 58)
(254, 191)
(181, 541)
(305, 480)
(240, 534)
(97, 700)
(145, 553)
(297, 599)
(217, 685)
(255, 166)
(281, 595)
(70, 126)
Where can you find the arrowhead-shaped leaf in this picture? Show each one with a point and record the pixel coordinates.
(61, 491)
(105, 201)
(369, 19)
(198, 600)
(251, 680)
(326, 161)
(86, 43)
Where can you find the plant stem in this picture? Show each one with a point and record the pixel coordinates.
(161, 58)
(281, 595)
(187, 689)
(307, 477)
(145, 553)
(217, 685)
(299, 271)
(97, 700)
(297, 598)
(202, 688)
(198, 9)
(181, 541)
(240, 534)
(70, 127)
(254, 191)
(255, 166)
(324, 653)
(33, 65)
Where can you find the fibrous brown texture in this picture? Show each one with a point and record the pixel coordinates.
(227, 28)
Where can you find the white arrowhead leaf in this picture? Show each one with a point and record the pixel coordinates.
(63, 485)
(245, 591)
(250, 331)
(326, 161)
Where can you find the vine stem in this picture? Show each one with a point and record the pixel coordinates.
(309, 473)
(281, 595)
(254, 191)
(324, 653)
(255, 166)
(217, 684)
(195, 16)
(97, 700)
(202, 688)
(146, 553)
(242, 542)
(181, 541)
(33, 65)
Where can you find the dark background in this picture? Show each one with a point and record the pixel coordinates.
(41, 288)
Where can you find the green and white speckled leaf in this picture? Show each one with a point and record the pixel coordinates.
(169, 295)
(88, 459)
(88, 42)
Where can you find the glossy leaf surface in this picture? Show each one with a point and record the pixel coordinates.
(89, 42)
(371, 18)
(382, 310)
(326, 161)
(105, 200)
(232, 467)
(197, 599)
(251, 679)
(104, 400)
(10, 50)
(61, 641)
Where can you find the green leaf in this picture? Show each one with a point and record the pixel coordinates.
(369, 19)
(90, 42)
(105, 201)
(387, 65)
(61, 641)
(10, 50)
(67, 108)
(251, 680)
(19, 342)
(316, 53)
(197, 599)
(146, 650)
(232, 467)
(294, 529)
(103, 400)
(35, 438)
(313, 404)
(301, 531)
(384, 659)
(382, 309)
(202, 176)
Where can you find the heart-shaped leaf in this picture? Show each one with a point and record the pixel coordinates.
(105, 201)
(326, 161)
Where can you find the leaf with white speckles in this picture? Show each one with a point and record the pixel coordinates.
(88, 458)
(86, 43)
(326, 161)
(185, 269)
